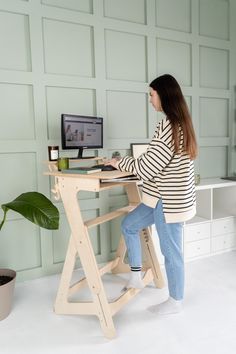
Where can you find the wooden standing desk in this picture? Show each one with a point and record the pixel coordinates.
(67, 186)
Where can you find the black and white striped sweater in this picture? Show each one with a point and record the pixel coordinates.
(165, 174)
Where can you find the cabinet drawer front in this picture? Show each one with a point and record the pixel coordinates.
(197, 232)
(224, 226)
(224, 242)
(197, 248)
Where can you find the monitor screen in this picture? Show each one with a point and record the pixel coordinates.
(81, 132)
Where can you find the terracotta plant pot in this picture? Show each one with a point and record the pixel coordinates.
(6, 292)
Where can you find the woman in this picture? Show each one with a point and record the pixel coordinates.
(168, 196)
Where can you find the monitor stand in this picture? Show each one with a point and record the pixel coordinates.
(80, 155)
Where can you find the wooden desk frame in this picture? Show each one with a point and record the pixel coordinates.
(67, 186)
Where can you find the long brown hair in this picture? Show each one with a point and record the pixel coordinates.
(176, 110)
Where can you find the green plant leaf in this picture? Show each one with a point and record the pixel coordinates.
(35, 207)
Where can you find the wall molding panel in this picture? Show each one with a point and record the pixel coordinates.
(15, 42)
(178, 19)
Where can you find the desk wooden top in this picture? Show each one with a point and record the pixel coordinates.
(97, 175)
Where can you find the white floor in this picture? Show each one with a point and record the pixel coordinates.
(207, 324)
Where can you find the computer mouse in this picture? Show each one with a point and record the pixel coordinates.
(108, 168)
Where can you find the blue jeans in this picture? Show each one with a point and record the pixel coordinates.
(170, 236)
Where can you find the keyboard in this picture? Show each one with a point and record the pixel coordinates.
(104, 167)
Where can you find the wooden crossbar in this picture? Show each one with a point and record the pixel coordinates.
(108, 185)
(116, 305)
(109, 216)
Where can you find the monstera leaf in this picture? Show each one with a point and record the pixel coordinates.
(35, 207)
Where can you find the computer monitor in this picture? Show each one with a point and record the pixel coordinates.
(81, 132)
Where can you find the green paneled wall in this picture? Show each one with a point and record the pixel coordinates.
(96, 57)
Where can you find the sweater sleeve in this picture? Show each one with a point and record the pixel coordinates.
(150, 163)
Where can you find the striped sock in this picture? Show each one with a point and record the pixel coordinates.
(136, 269)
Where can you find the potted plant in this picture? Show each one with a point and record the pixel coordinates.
(37, 208)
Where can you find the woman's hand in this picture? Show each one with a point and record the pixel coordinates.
(113, 162)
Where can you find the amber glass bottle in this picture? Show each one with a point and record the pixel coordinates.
(53, 153)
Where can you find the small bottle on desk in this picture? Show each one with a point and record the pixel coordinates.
(53, 153)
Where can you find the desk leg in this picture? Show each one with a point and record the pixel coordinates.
(80, 243)
(63, 291)
(95, 284)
